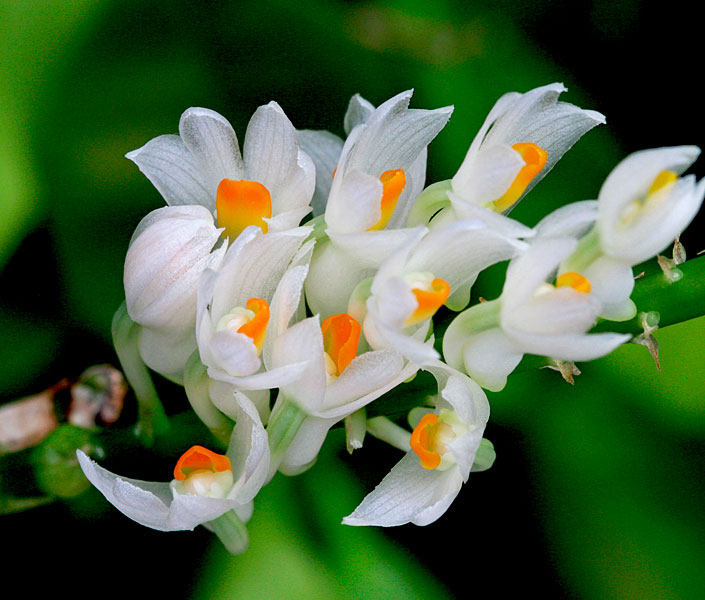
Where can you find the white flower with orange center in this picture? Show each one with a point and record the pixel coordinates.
(208, 488)
(441, 452)
(335, 383)
(642, 207)
(521, 140)
(432, 269)
(531, 316)
(374, 177)
(245, 303)
(213, 193)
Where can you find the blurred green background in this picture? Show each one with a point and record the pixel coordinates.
(597, 489)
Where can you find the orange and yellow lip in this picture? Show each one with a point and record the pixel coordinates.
(240, 204)
(578, 282)
(535, 158)
(198, 458)
(341, 334)
(256, 327)
(428, 301)
(393, 183)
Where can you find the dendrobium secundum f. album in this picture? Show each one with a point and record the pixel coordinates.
(214, 192)
(280, 329)
(531, 316)
(380, 171)
(442, 450)
(641, 208)
(208, 488)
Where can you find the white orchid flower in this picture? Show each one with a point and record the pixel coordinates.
(432, 269)
(530, 317)
(522, 138)
(380, 170)
(641, 208)
(169, 250)
(245, 303)
(335, 383)
(208, 489)
(440, 457)
(212, 191)
(269, 185)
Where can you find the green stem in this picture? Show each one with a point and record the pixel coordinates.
(152, 419)
(231, 531)
(284, 424)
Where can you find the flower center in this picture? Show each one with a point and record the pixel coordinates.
(431, 293)
(535, 158)
(430, 438)
(393, 183)
(202, 472)
(240, 204)
(658, 192)
(341, 334)
(251, 321)
(574, 280)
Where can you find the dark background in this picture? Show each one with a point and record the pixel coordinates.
(596, 490)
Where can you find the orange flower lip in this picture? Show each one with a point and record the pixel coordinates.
(256, 327)
(535, 158)
(240, 204)
(428, 301)
(422, 441)
(574, 280)
(199, 458)
(341, 334)
(393, 183)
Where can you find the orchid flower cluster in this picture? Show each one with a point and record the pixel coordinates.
(290, 285)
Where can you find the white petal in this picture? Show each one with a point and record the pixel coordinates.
(366, 378)
(611, 281)
(187, 511)
(394, 135)
(303, 340)
(489, 175)
(408, 494)
(171, 248)
(233, 353)
(324, 149)
(359, 111)
(150, 503)
(632, 178)
(357, 205)
(285, 303)
(415, 180)
(174, 171)
(248, 451)
(572, 346)
(539, 118)
(212, 141)
(165, 352)
(306, 445)
(489, 357)
(271, 148)
(527, 272)
(571, 220)
(253, 267)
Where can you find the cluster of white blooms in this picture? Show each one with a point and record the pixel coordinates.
(290, 285)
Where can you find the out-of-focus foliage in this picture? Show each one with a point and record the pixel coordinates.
(595, 492)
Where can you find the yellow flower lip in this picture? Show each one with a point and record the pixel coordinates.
(393, 183)
(240, 204)
(341, 334)
(578, 282)
(535, 158)
(198, 458)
